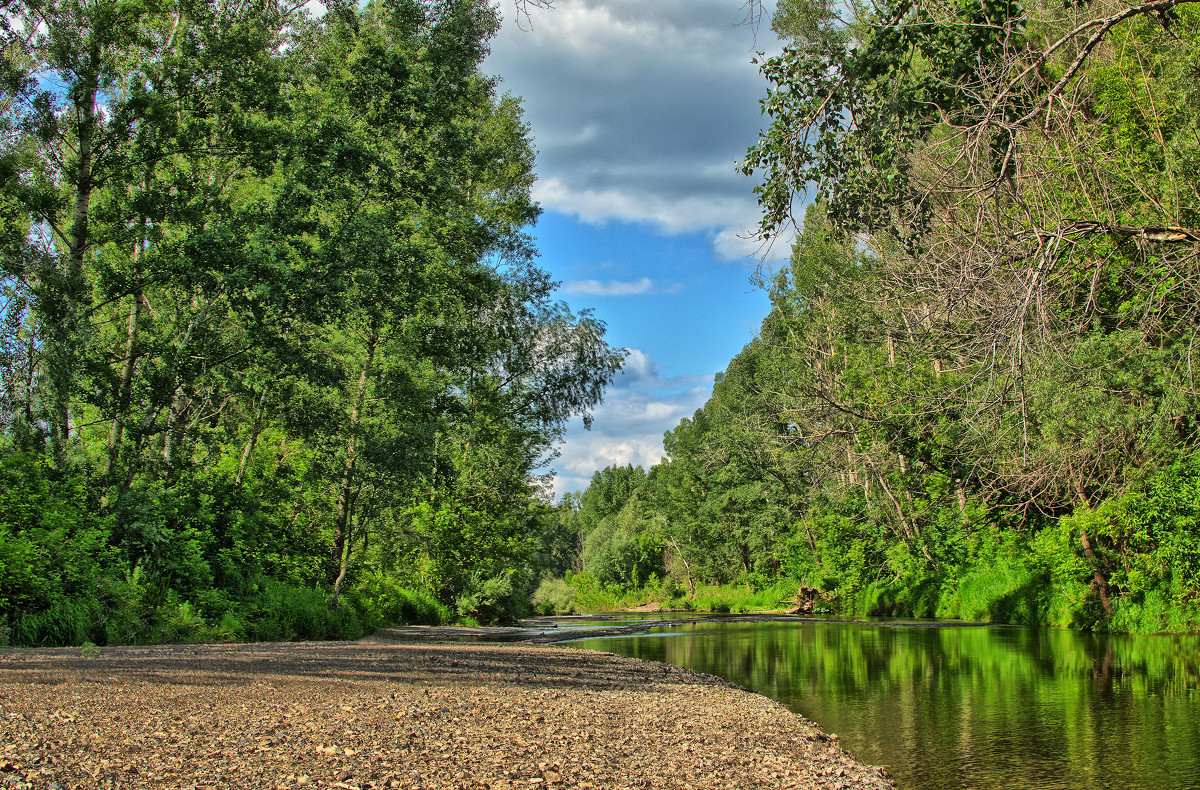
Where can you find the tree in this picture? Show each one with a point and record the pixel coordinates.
(950, 134)
(121, 167)
(609, 491)
(269, 291)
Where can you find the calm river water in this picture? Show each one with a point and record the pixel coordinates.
(967, 707)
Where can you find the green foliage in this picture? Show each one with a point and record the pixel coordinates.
(594, 597)
(286, 368)
(383, 600)
(281, 612)
(624, 549)
(610, 488)
(1146, 544)
(64, 622)
(555, 596)
(836, 451)
(974, 395)
(54, 545)
(501, 599)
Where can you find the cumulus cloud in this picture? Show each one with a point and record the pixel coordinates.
(628, 427)
(638, 367)
(640, 111)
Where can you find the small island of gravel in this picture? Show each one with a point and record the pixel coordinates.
(383, 713)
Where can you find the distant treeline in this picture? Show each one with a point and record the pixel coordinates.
(275, 358)
(976, 392)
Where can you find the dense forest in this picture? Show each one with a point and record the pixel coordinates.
(975, 394)
(276, 359)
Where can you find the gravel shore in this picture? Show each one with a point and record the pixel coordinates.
(383, 713)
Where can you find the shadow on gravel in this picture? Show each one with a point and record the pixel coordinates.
(373, 660)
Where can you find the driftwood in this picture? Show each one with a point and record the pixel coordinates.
(806, 600)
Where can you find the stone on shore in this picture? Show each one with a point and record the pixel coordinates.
(380, 714)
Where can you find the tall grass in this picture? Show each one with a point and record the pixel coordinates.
(738, 599)
(137, 612)
(555, 596)
(729, 598)
(66, 622)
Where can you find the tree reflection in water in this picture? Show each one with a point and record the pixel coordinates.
(945, 706)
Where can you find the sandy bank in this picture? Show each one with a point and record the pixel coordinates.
(386, 713)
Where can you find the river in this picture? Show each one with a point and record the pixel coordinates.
(947, 706)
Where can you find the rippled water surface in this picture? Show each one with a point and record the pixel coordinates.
(948, 707)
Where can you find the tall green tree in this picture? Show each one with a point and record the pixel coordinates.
(270, 294)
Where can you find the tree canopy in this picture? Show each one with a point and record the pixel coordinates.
(273, 323)
(975, 394)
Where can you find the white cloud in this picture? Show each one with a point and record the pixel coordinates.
(628, 427)
(592, 453)
(638, 365)
(639, 287)
(669, 212)
(730, 244)
(641, 110)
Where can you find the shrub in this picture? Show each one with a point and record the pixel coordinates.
(179, 622)
(65, 622)
(499, 599)
(555, 596)
(286, 612)
(54, 554)
(382, 600)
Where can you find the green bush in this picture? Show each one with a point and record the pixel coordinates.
(555, 596)
(178, 622)
(499, 599)
(382, 600)
(1008, 591)
(53, 543)
(69, 621)
(711, 604)
(283, 612)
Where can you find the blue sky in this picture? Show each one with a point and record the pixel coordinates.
(662, 294)
(640, 110)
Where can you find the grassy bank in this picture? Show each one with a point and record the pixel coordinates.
(136, 613)
(580, 593)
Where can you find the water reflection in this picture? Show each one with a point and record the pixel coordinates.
(968, 707)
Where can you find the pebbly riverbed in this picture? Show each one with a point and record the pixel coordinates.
(396, 710)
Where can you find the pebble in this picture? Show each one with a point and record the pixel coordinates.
(375, 714)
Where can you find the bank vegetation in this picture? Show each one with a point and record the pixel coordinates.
(975, 395)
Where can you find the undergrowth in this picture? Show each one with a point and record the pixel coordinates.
(138, 613)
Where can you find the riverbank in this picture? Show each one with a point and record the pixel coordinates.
(383, 713)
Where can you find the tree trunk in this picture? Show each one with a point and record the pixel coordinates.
(687, 569)
(173, 432)
(1099, 583)
(812, 544)
(180, 400)
(345, 501)
(911, 531)
(64, 350)
(255, 430)
(30, 374)
(117, 431)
